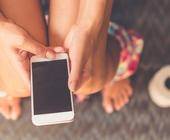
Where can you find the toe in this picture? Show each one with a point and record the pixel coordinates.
(129, 90)
(15, 112)
(5, 110)
(125, 96)
(117, 102)
(107, 104)
(120, 101)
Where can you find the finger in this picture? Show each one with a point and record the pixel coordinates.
(76, 70)
(23, 54)
(23, 93)
(36, 48)
(59, 49)
(78, 59)
(78, 55)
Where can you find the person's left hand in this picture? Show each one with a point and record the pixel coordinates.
(87, 57)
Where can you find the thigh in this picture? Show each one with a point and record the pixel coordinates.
(27, 14)
(62, 15)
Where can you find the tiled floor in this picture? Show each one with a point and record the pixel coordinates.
(140, 119)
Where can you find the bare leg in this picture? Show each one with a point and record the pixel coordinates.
(63, 14)
(101, 61)
(105, 63)
(28, 15)
(116, 95)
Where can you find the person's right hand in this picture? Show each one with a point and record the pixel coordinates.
(16, 45)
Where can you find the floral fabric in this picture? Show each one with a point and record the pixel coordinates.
(132, 46)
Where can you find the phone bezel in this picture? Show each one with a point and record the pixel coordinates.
(50, 118)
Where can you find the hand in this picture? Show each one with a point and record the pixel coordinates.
(88, 60)
(16, 46)
(80, 46)
(86, 43)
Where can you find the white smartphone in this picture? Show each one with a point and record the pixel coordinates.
(51, 99)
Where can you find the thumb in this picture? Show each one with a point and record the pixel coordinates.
(77, 65)
(78, 53)
(32, 46)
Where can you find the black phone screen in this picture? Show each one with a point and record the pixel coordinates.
(50, 87)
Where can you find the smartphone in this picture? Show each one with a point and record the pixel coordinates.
(51, 99)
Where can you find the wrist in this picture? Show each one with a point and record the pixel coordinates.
(92, 15)
(88, 29)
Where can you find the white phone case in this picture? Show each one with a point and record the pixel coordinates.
(51, 118)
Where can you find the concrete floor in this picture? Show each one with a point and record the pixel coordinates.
(140, 119)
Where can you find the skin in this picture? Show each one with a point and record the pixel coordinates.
(62, 15)
(19, 13)
(22, 40)
(76, 38)
(77, 26)
(92, 65)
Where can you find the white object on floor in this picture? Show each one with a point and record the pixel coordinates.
(159, 87)
(2, 94)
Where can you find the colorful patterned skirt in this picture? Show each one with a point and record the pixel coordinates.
(131, 45)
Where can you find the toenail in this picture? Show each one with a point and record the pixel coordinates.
(109, 109)
(14, 116)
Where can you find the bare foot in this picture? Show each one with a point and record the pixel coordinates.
(10, 107)
(116, 95)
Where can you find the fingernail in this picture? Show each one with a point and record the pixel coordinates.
(50, 54)
(73, 86)
(109, 109)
